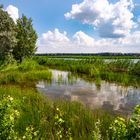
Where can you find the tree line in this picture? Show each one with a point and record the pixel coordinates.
(17, 40)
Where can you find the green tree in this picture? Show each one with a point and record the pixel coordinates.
(7, 35)
(26, 36)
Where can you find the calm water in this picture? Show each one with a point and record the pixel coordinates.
(106, 60)
(109, 96)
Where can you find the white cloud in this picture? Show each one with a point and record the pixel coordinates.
(111, 20)
(81, 38)
(53, 41)
(55, 35)
(57, 42)
(54, 38)
(13, 12)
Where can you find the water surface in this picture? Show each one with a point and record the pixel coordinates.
(108, 96)
(105, 60)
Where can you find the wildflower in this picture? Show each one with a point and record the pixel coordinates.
(24, 137)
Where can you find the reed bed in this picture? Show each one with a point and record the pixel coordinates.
(125, 72)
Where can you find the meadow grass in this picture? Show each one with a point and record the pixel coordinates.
(38, 111)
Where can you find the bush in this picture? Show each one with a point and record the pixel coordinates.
(120, 129)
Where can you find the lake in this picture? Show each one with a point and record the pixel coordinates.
(110, 97)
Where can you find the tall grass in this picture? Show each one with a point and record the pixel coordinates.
(39, 112)
(29, 70)
(135, 69)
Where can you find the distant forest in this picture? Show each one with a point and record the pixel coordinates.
(88, 54)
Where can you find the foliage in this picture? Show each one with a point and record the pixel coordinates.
(7, 36)
(8, 119)
(117, 129)
(134, 125)
(8, 116)
(17, 41)
(30, 134)
(121, 129)
(26, 37)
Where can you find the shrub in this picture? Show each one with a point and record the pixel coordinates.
(117, 130)
(120, 129)
(134, 125)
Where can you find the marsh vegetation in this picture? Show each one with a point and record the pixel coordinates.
(37, 116)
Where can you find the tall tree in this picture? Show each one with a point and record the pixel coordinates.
(7, 35)
(26, 36)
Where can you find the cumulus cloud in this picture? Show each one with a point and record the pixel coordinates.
(111, 20)
(80, 38)
(53, 41)
(58, 42)
(13, 12)
(55, 35)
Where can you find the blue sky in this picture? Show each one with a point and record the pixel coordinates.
(89, 26)
(47, 14)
